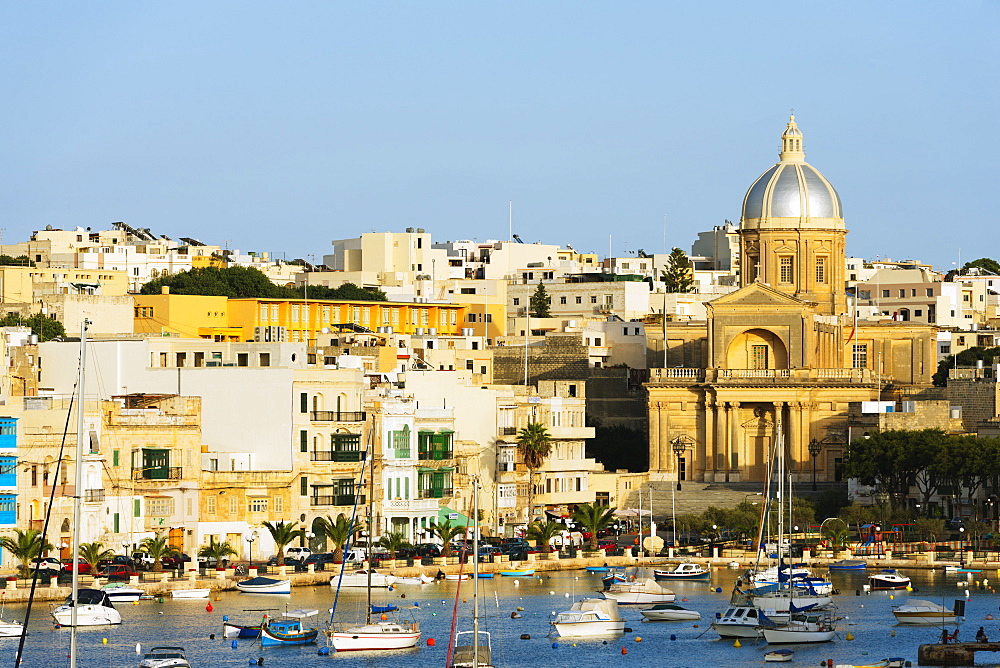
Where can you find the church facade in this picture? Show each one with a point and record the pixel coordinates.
(780, 358)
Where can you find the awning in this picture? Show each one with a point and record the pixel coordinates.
(447, 514)
(431, 469)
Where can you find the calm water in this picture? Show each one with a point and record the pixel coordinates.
(186, 623)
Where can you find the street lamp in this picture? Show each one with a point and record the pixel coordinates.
(815, 447)
(961, 537)
(251, 539)
(679, 445)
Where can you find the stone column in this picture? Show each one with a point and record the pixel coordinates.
(736, 474)
(796, 446)
(655, 446)
(719, 441)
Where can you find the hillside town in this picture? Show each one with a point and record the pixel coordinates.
(225, 389)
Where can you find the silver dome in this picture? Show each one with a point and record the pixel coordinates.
(791, 190)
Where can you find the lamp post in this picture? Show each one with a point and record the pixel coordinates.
(251, 539)
(815, 447)
(961, 539)
(679, 445)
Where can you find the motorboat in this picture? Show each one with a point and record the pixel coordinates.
(888, 578)
(524, 572)
(419, 580)
(848, 565)
(93, 608)
(589, 617)
(260, 585)
(379, 635)
(288, 631)
(10, 629)
(774, 598)
(469, 655)
(639, 592)
(741, 621)
(917, 611)
(778, 656)
(164, 657)
(812, 627)
(201, 592)
(683, 571)
(359, 578)
(120, 592)
(231, 630)
(456, 576)
(668, 612)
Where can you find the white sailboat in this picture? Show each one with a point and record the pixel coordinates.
(469, 649)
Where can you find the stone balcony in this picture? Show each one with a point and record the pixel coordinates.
(690, 376)
(411, 505)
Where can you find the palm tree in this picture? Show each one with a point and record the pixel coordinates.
(25, 546)
(593, 518)
(339, 532)
(543, 533)
(283, 534)
(393, 541)
(447, 532)
(157, 548)
(218, 551)
(836, 532)
(534, 444)
(93, 553)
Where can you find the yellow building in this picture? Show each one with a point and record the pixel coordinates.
(258, 319)
(23, 285)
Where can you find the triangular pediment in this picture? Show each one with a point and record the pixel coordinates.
(758, 294)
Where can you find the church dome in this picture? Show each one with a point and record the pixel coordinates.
(792, 188)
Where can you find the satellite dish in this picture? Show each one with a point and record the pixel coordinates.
(325, 330)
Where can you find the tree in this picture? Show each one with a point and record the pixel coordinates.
(966, 358)
(593, 518)
(25, 546)
(339, 532)
(534, 445)
(929, 528)
(44, 327)
(394, 541)
(677, 277)
(93, 553)
(836, 532)
(157, 548)
(447, 532)
(538, 305)
(283, 534)
(218, 552)
(237, 282)
(543, 532)
(19, 261)
(890, 460)
(984, 264)
(618, 446)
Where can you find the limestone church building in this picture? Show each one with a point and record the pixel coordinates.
(782, 352)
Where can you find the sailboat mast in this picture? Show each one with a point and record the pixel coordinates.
(475, 572)
(78, 486)
(371, 530)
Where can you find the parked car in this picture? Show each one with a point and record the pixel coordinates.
(48, 566)
(142, 560)
(487, 552)
(607, 545)
(116, 572)
(319, 559)
(296, 553)
(82, 566)
(427, 550)
(118, 560)
(175, 561)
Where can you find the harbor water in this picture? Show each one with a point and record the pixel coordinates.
(866, 616)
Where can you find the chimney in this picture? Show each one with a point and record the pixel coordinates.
(165, 290)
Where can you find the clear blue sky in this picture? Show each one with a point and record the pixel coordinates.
(281, 126)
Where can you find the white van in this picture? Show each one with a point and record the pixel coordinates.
(297, 553)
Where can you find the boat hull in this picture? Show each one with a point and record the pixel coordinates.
(11, 630)
(735, 630)
(283, 587)
(883, 583)
(789, 636)
(638, 598)
(190, 593)
(240, 631)
(270, 638)
(87, 615)
(515, 574)
(347, 641)
(124, 594)
(671, 615)
(590, 628)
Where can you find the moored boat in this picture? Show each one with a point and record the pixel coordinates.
(420, 580)
(802, 628)
(598, 569)
(778, 655)
(93, 608)
(520, 573)
(888, 578)
(164, 657)
(848, 565)
(741, 621)
(589, 617)
(683, 571)
(668, 612)
(119, 592)
(917, 611)
(231, 630)
(190, 593)
(359, 578)
(260, 585)
(638, 592)
(288, 631)
(475, 654)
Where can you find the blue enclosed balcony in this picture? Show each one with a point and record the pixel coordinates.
(8, 432)
(8, 472)
(8, 510)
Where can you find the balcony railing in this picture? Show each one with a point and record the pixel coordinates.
(158, 473)
(93, 496)
(335, 456)
(435, 455)
(332, 500)
(508, 431)
(338, 416)
(804, 376)
(439, 493)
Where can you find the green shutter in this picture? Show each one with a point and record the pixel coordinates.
(114, 458)
(303, 441)
(304, 486)
(406, 488)
(116, 520)
(303, 402)
(137, 509)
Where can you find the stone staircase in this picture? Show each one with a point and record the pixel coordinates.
(695, 497)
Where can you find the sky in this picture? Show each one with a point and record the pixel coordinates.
(282, 126)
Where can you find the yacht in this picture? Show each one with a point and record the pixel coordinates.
(639, 592)
(164, 657)
(917, 611)
(683, 571)
(589, 617)
(93, 608)
(888, 578)
(811, 627)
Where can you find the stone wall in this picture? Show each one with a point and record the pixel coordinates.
(976, 396)
(557, 356)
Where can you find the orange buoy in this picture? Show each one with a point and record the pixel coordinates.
(208, 608)
(384, 617)
(430, 642)
(624, 651)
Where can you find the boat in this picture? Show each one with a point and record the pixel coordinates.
(371, 634)
(776, 598)
(888, 578)
(288, 631)
(456, 576)
(797, 576)
(589, 617)
(812, 627)
(741, 621)
(524, 572)
(164, 657)
(918, 611)
(598, 569)
(615, 578)
(120, 592)
(420, 580)
(668, 612)
(231, 630)
(778, 655)
(848, 565)
(92, 608)
(260, 585)
(683, 571)
(359, 578)
(639, 592)
(473, 653)
(10, 628)
(190, 593)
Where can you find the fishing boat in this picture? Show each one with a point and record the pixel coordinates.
(598, 569)
(524, 572)
(888, 578)
(812, 627)
(359, 578)
(231, 630)
(456, 576)
(589, 617)
(848, 565)
(92, 608)
(200, 592)
(420, 580)
(778, 656)
(260, 585)
(120, 592)
(472, 649)
(484, 576)
(164, 657)
(683, 571)
(668, 612)
(639, 592)
(288, 631)
(615, 577)
(917, 611)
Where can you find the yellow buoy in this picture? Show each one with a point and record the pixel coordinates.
(892, 633)
(891, 597)
(737, 643)
(104, 641)
(849, 636)
(909, 588)
(638, 638)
